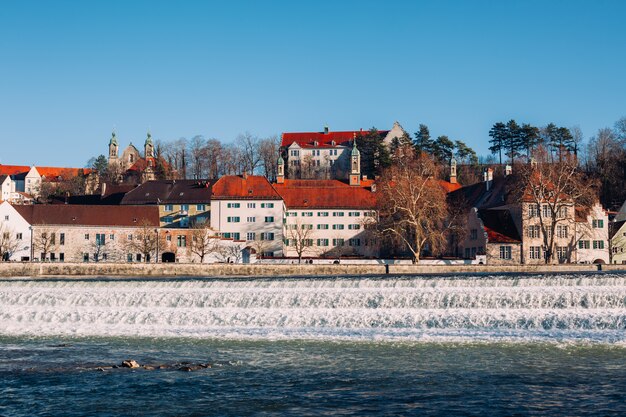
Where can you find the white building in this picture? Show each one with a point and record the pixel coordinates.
(247, 208)
(592, 235)
(18, 230)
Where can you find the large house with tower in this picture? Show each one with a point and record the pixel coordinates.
(132, 166)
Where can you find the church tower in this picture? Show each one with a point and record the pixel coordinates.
(355, 164)
(280, 174)
(452, 171)
(113, 149)
(148, 147)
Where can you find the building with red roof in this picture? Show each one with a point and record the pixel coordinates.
(132, 166)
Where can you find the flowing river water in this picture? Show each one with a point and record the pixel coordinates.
(499, 345)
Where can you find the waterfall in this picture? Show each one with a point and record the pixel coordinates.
(565, 307)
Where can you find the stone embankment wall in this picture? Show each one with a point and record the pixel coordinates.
(261, 270)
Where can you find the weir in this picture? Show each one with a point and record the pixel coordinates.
(559, 307)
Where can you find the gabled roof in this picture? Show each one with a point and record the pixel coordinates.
(13, 169)
(170, 192)
(325, 194)
(88, 215)
(499, 226)
(251, 187)
(308, 139)
(477, 195)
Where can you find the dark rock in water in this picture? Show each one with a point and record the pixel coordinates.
(130, 363)
(149, 368)
(185, 368)
(60, 345)
(101, 369)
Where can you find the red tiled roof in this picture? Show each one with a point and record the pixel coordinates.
(255, 187)
(89, 215)
(52, 173)
(142, 163)
(499, 226)
(448, 187)
(299, 194)
(307, 139)
(13, 169)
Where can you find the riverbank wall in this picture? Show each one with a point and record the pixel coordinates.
(266, 270)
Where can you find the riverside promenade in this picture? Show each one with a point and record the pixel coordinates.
(269, 270)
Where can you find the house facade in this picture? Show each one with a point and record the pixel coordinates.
(247, 208)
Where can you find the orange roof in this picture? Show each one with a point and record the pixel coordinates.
(301, 194)
(254, 187)
(52, 173)
(448, 187)
(13, 169)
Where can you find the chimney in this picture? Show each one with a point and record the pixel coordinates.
(104, 189)
(245, 174)
(326, 130)
(508, 170)
(488, 178)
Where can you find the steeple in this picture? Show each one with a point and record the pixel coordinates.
(280, 174)
(113, 147)
(148, 147)
(355, 163)
(452, 171)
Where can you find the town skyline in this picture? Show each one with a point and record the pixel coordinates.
(73, 73)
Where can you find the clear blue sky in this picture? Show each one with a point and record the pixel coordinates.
(71, 71)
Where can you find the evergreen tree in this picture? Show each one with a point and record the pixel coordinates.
(465, 154)
(512, 141)
(374, 154)
(442, 149)
(423, 142)
(498, 136)
(100, 165)
(529, 138)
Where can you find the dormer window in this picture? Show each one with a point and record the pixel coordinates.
(333, 143)
(130, 158)
(315, 143)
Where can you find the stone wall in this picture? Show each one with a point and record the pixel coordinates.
(16, 269)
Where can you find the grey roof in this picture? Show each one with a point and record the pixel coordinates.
(170, 192)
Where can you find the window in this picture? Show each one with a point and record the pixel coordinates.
(338, 213)
(61, 257)
(267, 205)
(100, 239)
(505, 252)
(369, 214)
(337, 242)
(168, 237)
(354, 242)
(19, 236)
(354, 214)
(583, 244)
(535, 252)
(533, 211)
(200, 207)
(168, 207)
(129, 237)
(86, 236)
(53, 257)
(181, 241)
(308, 242)
(251, 205)
(168, 219)
(269, 219)
(307, 214)
(250, 236)
(138, 257)
(236, 235)
(473, 234)
(233, 205)
(563, 211)
(561, 252)
(337, 226)
(184, 207)
(322, 213)
(251, 219)
(267, 236)
(291, 214)
(234, 219)
(354, 226)
(546, 211)
(533, 231)
(562, 231)
(294, 152)
(129, 257)
(322, 242)
(307, 226)
(322, 227)
(111, 237)
(598, 244)
(597, 223)
(267, 254)
(467, 253)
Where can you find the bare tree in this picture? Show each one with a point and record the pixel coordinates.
(260, 246)
(44, 241)
(269, 149)
(299, 237)
(551, 190)
(229, 252)
(214, 155)
(145, 240)
(8, 242)
(197, 156)
(412, 206)
(204, 241)
(249, 147)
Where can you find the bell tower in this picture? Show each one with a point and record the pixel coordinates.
(113, 148)
(148, 147)
(280, 174)
(355, 163)
(452, 171)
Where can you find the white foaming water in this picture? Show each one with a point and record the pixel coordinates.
(558, 308)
